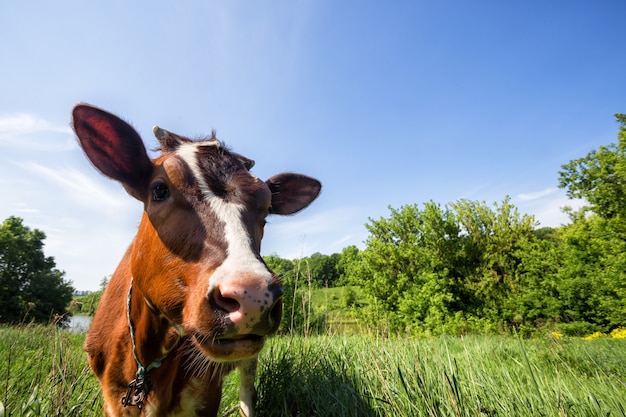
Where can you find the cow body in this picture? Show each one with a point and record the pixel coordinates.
(191, 299)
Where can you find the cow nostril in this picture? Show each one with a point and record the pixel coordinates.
(227, 303)
(277, 292)
(276, 310)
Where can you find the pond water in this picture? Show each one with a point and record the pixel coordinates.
(79, 324)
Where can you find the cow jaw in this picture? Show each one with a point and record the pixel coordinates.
(231, 349)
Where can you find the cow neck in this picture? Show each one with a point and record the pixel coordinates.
(139, 388)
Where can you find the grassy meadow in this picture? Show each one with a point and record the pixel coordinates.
(43, 372)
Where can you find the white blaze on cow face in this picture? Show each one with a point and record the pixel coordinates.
(242, 278)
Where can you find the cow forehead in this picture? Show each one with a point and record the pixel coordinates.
(218, 172)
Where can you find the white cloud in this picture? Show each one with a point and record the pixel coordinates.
(79, 186)
(27, 210)
(26, 131)
(537, 194)
(23, 123)
(547, 206)
(343, 241)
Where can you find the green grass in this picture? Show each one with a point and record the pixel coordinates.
(470, 376)
(43, 372)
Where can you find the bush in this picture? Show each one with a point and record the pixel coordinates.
(577, 328)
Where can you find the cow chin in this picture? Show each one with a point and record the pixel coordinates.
(228, 350)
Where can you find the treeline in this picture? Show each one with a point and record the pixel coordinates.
(466, 267)
(470, 267)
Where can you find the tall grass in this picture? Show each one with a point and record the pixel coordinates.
(43, 372)
(445, 376)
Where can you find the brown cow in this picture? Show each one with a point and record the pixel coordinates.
(192, 298)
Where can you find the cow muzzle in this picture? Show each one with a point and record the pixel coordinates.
(240, 312)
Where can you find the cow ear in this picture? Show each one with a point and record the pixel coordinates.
(292, 192)
(113, 147)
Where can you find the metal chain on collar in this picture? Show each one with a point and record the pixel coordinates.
(139, 388)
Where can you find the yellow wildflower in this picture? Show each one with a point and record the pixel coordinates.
(619, 333)
(595, 335)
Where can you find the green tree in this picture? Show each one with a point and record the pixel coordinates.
(412, 273)
(600, 176)
(323, 269)
(493, 239)
(592, 281)
(350, 266)
(452, 269)
(284, 268)
(538, 302)
(30, 285)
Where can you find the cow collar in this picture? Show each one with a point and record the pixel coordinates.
(139, 388)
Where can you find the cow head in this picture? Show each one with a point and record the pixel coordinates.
(196, 258)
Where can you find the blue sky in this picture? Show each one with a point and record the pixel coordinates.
(387, 103)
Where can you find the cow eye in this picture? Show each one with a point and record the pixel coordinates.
(160, 192)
